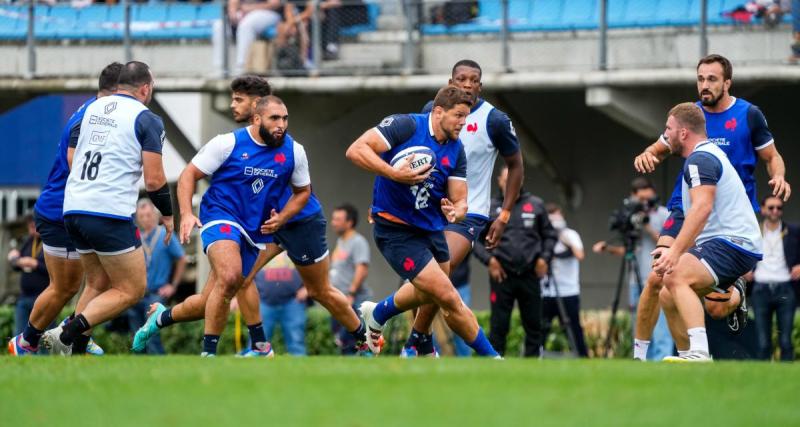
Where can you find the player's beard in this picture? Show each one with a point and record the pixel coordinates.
(710, 102)
(268, 139)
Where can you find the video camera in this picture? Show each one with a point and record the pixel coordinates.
(630, 219)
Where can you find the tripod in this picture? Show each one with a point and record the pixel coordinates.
(564, 318)
(629, 263)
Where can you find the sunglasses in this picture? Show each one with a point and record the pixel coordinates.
(774, 208)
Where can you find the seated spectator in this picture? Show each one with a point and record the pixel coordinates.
(249, 19)
(33, 279)
(283, 301)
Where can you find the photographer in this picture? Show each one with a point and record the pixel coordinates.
(516, 266)
(639, 222)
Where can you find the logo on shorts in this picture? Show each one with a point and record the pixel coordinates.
(408, 264)
(225, 228)
(471, 231)
(280, 158)
(669, 223)
(110, 107)
(472, 127)
(257, 185)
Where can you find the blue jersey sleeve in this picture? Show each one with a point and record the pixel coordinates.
(428, 107)
(397, 129)
(759, 131)
(460, 171)
(74, 133)
(150, 131)
(502, 133)
(702, 169)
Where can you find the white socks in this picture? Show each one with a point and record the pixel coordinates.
(640, 349)
(698, 340)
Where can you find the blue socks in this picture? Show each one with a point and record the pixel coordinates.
(421, 341)
(385, 310)
(210, 344)
(257, 336)
(482, 346)
(165, 319)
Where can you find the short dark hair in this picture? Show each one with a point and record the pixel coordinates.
(350, 212)
(467, 63)
(450, 96)
(641, 183)
(552, 207)
(251, 85)
(689, 115)
(266, 100)
(770, 196)
(727, 67)
(109, 77)
(135, 74)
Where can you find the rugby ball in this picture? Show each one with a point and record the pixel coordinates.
(423, 156)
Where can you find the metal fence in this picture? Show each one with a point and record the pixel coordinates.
(322, 37)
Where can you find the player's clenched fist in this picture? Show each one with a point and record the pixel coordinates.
(646, 162)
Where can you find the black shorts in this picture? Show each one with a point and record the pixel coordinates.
(55, 239)
(304, 240)
(471, 227)
(408, 250)
(672, 226)
(102, 235)
(725, 261)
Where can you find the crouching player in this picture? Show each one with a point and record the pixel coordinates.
(411, 207)
(720, 239)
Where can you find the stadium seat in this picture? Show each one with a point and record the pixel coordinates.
(373, 10)
(148, 17)
(61, 23)
(93, 23)
(581, 14)
(13, 23)
(204, 16)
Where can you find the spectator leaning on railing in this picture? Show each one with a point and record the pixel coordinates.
(29, 261)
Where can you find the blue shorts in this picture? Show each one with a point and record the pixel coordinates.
(102, 235)
(304, 240)
(470, 227)
(215, 231)
(725, 261)
(408, 250)
(672, 226)
(55, 240)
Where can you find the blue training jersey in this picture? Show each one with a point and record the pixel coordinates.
(251, 182)
(417, 205)
(50, 203)
(740, 131)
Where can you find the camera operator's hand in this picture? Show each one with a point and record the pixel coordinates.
(599, 247)
(664, 260)
(540, 268)
(496, 271)
(646, 162)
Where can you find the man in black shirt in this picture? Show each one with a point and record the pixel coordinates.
(29, 261)
(516, 266)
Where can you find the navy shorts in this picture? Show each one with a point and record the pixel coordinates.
(471, 227)
(408, 250)
(304, 240)
(102, 235)
(215, 231)
(55, 240)
(725, 261)
(672, 226)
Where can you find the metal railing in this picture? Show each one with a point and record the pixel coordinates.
(407, 36)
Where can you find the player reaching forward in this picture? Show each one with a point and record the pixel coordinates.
(120, 139)
(720, 239)
(740, 130)
(411, 207)
(488, 131)
(62, 260)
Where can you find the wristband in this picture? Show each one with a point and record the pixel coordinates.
(504, 216)
(162, 200)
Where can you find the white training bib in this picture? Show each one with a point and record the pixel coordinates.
(481, 155)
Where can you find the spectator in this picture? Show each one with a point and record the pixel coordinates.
(796, 31)
(249, 19)
(165, 265)
(516, 266)
(565, 283)
(643, 191)
(772, 291)
(460, 279)
(29, 261)
(349, 268)
(284, 302)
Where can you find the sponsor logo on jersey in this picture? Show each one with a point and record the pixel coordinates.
(257, 185)
(446, 161)
(731, 124)
(245, 156)
(110, 108)
(280, 158)
(102, 121)
(251, 171)
(723, 142)
(99, 137)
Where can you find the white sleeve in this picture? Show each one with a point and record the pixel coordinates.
(300, 175)
(212, 155)
(574, 239)
(664, 141)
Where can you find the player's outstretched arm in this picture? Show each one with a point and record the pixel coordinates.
(186, 186)
(777, 172)
(654, 154)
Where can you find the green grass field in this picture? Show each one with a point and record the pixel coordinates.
(335, 391)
